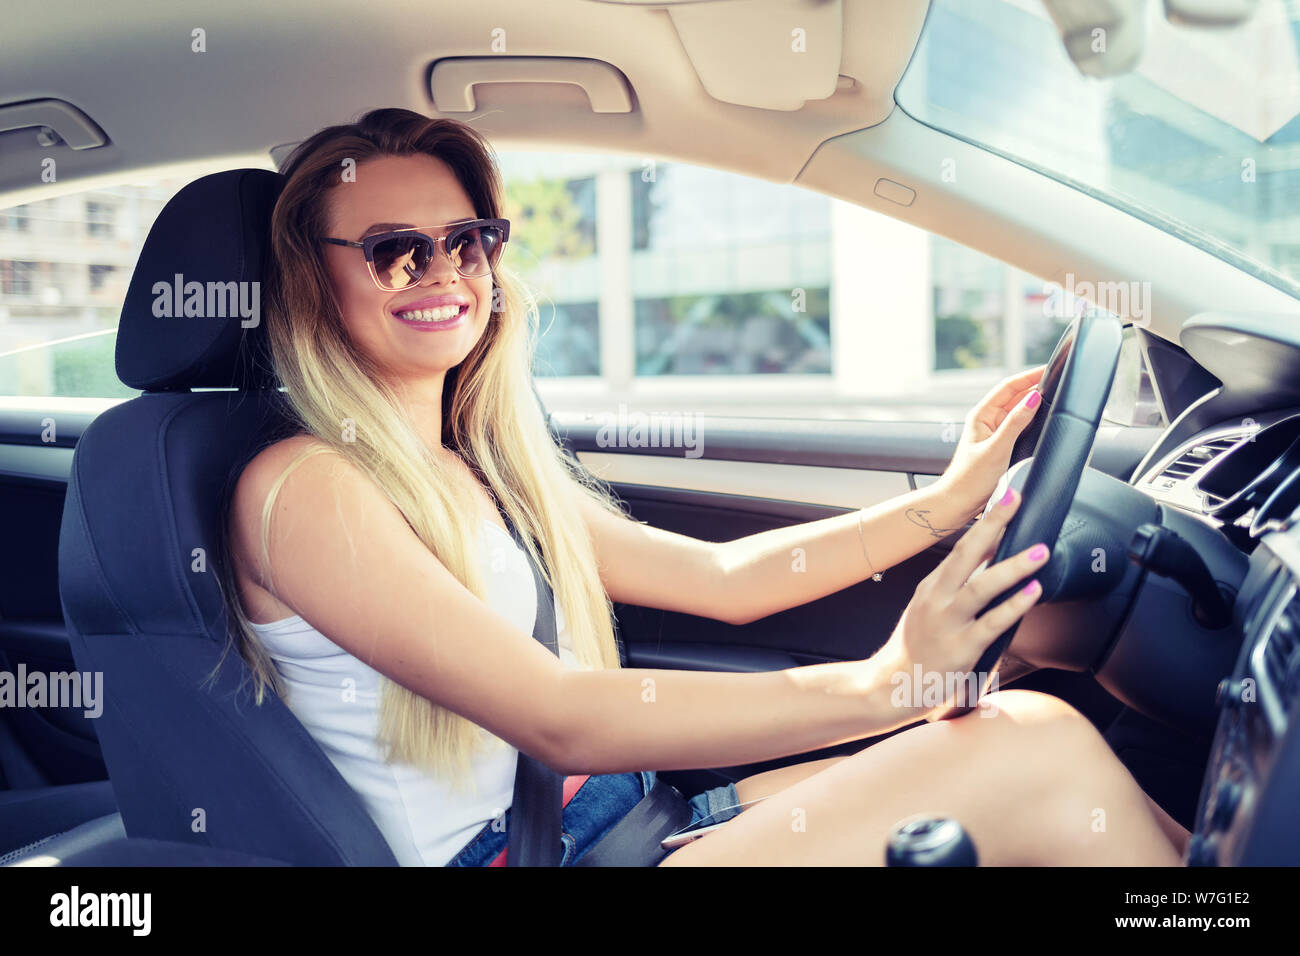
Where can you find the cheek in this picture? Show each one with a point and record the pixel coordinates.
(484, 315)
(487, 295)
(358, 302)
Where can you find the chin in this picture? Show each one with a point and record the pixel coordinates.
(446, 361)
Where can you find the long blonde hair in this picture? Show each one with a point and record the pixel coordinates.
(490, 417)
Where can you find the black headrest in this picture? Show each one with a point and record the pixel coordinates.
(194, 314)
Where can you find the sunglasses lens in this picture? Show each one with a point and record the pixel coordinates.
(401, 261)
(474, 252)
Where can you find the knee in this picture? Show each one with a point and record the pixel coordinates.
(1030, 721)
(1031, 708)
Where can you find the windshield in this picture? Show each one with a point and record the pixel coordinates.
(1201, 139)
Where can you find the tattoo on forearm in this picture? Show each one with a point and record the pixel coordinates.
(921, 516)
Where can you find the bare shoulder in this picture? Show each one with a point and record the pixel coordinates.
(309, 474)
(267, 467)
(274, 458)
(340, 554)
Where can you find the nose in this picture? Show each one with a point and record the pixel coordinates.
(440, 270)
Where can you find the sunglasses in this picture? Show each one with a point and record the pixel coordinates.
(399, 259)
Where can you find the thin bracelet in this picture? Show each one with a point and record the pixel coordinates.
(875, 575)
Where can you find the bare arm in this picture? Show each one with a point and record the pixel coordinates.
(746, 579)
(742, 580)
(346, 560)
(684, 719)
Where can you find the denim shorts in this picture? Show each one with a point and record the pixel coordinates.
(599, 804)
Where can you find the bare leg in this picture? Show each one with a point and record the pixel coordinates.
(1172, 829)
(1034, 785)
(765, 784)
(768, 782)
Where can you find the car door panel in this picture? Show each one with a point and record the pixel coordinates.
(39, 746)
(749, 476)
(851, 623)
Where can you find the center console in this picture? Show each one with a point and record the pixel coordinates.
(1247, 813)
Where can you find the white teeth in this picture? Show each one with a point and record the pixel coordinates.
(440, 314)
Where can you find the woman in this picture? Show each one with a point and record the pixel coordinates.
(376, 586)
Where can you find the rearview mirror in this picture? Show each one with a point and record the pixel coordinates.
(1209, 13)
(1105, 37)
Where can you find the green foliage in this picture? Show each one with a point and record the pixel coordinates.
(84, 369)
(959, 342)
(546, 221)
(1040, 349)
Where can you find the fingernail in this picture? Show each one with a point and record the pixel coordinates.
(1034, 398)
(1007, 498)
(1033, 587)
(1038, 552)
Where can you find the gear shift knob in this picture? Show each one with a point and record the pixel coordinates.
(929, 841)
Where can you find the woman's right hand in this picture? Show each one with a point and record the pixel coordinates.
(942, 634)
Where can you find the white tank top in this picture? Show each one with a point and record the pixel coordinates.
(336, 697)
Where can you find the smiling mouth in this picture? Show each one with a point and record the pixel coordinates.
(439, 316)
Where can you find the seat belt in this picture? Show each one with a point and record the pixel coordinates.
(541, 794)
(537, 804)
(635, 839)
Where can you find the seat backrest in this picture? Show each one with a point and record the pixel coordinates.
(192, 759)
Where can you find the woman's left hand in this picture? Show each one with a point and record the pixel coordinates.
(991, 428)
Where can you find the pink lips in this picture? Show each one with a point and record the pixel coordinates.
(433, 302)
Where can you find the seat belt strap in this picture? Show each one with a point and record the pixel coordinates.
(540, 794)
(634, 839)
(538, 800)
(571, 786)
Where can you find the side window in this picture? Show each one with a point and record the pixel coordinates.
(663, 285)
(729, 275)
(65, 263)
(551, 203)
(651, 274)
(990, 316)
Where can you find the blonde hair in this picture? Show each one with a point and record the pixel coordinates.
(490, 417)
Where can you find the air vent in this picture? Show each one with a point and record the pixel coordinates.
(1281, 658)
(1197, 457)
(1177, 483)
(1275, 660)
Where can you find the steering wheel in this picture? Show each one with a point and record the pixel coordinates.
(1048, 386)
(1050, 456)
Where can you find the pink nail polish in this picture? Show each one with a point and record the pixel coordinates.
(1034, 398)
(1038, 552)
(1031, 588)
(1007, 498)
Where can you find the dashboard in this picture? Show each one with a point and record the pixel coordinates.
(1238, 475)
(1243, 477)
(1246, 814)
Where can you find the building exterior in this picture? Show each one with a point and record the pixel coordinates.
(65, 263)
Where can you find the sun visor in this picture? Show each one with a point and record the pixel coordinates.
(768, 54)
